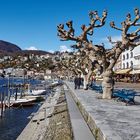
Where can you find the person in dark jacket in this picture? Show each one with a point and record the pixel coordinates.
(77, 82)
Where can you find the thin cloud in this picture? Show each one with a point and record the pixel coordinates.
(64, 48)
(51, 51)
(107, 43)
(31, 48)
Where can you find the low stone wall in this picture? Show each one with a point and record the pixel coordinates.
(89, 119)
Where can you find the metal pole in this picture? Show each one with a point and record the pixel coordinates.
(8, 90)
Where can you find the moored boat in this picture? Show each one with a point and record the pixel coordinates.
(37, 92)
(19, 102)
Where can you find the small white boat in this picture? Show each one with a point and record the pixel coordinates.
(20, 102)
(37, 98)
(37, 92)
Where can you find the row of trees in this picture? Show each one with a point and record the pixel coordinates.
(89, 56)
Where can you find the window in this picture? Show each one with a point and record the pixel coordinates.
(127, 56)
(123, 57)
(127, 65)
(131, 54)
(131, 64)
(123, 65)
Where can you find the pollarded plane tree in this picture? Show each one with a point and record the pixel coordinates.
(107, 57)
(129, 39)
(72, 64)
(83, 44)
(78, 64)
(83, 63)
(66, 65)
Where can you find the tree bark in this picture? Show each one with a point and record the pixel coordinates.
(107, 84)
(85, 81)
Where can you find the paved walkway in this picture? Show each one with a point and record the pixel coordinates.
(108, 119)
(80, 129)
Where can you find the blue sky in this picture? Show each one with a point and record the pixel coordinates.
(32, 23)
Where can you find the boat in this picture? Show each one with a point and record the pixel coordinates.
(37, 98)
(23, 102)
(37, 92)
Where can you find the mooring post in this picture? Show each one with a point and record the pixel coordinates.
(1, 105)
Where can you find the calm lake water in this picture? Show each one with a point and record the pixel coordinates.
(15, 119)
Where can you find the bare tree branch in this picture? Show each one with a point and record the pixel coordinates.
(66, 35)
(112, 24)
(69, 35)
(137, 17)
(93, 19)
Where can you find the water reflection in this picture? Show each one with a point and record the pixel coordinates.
(15, 121)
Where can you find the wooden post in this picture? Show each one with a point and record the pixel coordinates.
(4, 101)
(8, 91)
(1, 105)
(16, 93)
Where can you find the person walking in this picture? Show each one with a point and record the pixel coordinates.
(76, 82)
(79, 81)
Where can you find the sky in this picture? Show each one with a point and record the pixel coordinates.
(32, 24)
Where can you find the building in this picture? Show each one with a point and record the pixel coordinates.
(130, 58)
(48, 74)
(129, 63)
(136, 64)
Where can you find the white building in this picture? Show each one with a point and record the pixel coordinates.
(131, 59)
(127, 59)
(48, 74)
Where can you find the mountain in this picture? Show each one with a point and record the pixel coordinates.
(7, 48)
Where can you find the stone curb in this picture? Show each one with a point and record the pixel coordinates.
(99, 135)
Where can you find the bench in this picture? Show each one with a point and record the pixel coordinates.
(127, 96)
(98, 88)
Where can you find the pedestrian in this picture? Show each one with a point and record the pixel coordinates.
(93, 81)
(82, 81)
(76, 82)
(79, 81)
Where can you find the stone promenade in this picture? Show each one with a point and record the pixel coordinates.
(108, 119)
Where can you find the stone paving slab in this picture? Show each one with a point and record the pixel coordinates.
(108, 119)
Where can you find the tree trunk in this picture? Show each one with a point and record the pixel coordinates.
(85, 81)
(107, 84)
